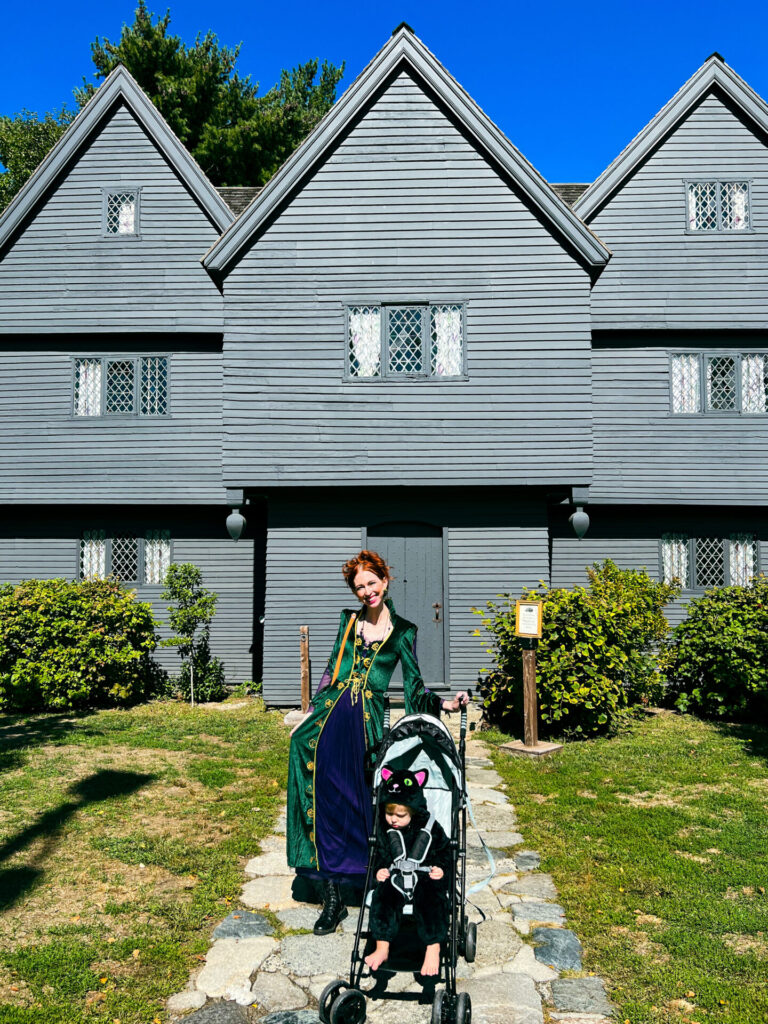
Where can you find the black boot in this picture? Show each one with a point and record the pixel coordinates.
(333, 911)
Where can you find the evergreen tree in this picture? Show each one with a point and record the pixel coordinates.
(25, 138)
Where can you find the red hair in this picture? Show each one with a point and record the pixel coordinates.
(368, 561)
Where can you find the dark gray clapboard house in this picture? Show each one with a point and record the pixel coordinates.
(408, 341)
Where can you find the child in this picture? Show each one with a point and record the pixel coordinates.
(407, 834)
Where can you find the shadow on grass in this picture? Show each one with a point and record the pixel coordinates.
(753, 738)
(20, 731)
(102, 785)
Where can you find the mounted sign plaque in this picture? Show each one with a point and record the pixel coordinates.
(528, 618)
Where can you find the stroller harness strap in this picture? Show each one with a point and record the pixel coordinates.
(403, 872)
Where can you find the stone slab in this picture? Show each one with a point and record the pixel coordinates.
(271, 863)
(525, 962)
(308, 954)
(527, 860)
(277, 992)
(273, 892)
(219, 1013)
(539, 885)
(230, 963)
(493, 818)
(558, 948)
(477, 776)
(292, 1017)
(504, 999)
(542, 749)
(581, 995)
(299, 917)
(191, 999)
(477, 761)
(481, 795)
(535, 910)
(580, 1018)
(497, 941)
(242, 924)
(496, 839)
(318, 983)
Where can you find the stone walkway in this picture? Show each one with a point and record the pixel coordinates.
(523, 947)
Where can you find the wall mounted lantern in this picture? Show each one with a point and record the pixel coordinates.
(579, 521)
(235, 524)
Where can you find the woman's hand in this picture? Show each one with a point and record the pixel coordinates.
(436, 873)
(382, 874)
(461, 698)
(298, 724)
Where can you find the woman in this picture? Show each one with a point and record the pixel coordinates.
(329, 812)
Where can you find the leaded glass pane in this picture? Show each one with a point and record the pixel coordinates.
(741, 559)
(686, 383)
(121, 213)
(125, 558)
(721, 383)
(120, 386)
(405, 339)
(154, 386)
(93, 555)
(447, 350)
(674, 557)
(365, 341)
(87, 387)
(710, 562)
(157, 555)
(734, 205)
(754, 383)
(702, 206)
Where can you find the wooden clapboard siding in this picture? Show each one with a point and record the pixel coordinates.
(644, 453)
(49, 455)
(405, 209)
(660, 277)
(61, 274)
(483, 563)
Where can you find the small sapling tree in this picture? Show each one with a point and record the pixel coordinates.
(190, 617)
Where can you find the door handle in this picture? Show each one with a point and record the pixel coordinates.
(437, 606)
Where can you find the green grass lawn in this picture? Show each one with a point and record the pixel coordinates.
(658, 843)
(123, 836)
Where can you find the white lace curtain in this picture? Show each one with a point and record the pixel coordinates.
(753, 383)
(93, 555)
(674, 557)
(88, 387)
(686, 383)
(365, 341)
(447, 341)
(741, 559)
(157, 555)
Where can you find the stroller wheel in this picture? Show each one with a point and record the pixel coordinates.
(328, 997)
(470, 946)
(348, 1008)
(463, 1008)
(437, 1006)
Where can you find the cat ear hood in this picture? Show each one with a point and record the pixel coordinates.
(406, 788)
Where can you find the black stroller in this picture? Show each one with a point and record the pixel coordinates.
(418, 741)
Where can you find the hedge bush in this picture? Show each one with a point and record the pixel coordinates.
(717, 662)
(596, 657)
(68, 645)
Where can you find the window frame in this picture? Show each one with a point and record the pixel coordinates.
(109, 537)
(691, 542)
(113, 190)
(719, 231)
(134, 358)
(702, 355)
(386, 307)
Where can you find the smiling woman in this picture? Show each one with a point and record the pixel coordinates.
(329, 807)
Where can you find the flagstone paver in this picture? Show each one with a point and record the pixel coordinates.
(252, 975)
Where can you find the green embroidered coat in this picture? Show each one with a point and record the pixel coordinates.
(369, 681)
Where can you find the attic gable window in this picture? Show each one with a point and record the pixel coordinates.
(701, 562)
(121, 213)
(405, 341)
(718, 206)
(125, 556)
(732, 382)
(127, 386)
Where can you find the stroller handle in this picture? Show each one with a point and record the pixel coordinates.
(463, 720)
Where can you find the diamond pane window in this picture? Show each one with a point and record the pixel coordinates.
(741, 559)
(686, 383)
(121, 213)
(154, 386)
(447, 348)
(157, 555)
(405, 351)
(119, 386)
(365, 341)
(718, 206)
(125, 558)
(721, 383)
(702, 206)
(87, 387)
(754, 383)
(93, 555)
(674, 559)
(734, 205)
(710, 562)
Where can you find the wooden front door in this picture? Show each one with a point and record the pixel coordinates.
(415, 553)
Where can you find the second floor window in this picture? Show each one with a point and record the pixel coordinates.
(701, 562)
(126, 556)
(125, 386)
(718, 206)
(395, 342)
(728, 382)
(121, 212)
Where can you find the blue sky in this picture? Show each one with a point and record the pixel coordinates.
(570, 84)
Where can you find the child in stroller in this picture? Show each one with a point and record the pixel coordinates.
(413, 856)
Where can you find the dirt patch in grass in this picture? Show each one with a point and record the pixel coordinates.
(676, 798)
(642, 944)
(746, 944)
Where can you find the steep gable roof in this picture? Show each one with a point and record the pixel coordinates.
(713, 74)
(404, 51)
(118, 87)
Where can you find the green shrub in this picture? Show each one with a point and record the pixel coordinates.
(208, 676)
(717, 662)
(596, 657)
(191, 614)
(69, 645)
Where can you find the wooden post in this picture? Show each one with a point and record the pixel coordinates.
(304, 647)
(530, 708)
